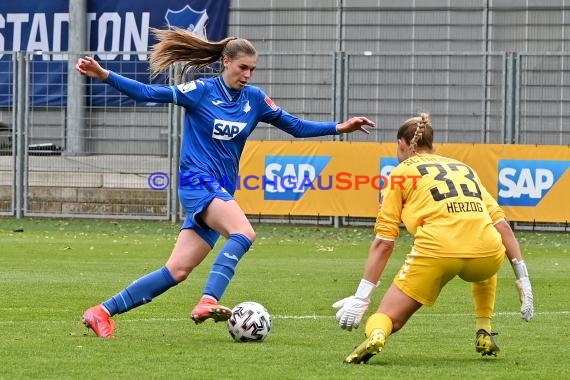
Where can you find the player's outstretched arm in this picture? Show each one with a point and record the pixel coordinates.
(514, 254)
(135, 90)
(359, 123)
(90, 67)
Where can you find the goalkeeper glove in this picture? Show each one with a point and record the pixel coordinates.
(524, 288)
(352, 309)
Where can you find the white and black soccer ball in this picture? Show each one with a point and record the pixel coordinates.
(249, 322)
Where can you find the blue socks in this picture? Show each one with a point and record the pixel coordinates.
(140, 292)
(155, 283)
(224, 267)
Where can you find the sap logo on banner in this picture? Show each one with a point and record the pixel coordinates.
(526, 182)
(287, 178)
(387, 165)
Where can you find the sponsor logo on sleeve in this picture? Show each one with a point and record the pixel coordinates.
(187, 87)
(271, 104)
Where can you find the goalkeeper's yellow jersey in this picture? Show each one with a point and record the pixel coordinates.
(443, 204)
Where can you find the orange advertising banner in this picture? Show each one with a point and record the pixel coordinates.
(344, 178)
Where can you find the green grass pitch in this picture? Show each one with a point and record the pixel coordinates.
(51, 270)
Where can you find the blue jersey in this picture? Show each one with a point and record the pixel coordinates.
(217, 124)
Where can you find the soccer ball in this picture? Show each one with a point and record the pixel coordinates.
(249, 322)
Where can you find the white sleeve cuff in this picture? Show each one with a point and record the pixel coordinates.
(365, 289)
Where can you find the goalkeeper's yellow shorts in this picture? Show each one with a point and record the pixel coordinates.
(422, 277)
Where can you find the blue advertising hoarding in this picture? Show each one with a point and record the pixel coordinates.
(112, 26)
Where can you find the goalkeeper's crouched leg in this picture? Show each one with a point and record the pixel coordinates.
(378, 329)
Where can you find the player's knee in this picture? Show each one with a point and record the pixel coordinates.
(181, 275)
(249, 233)
(179, 272)
(244, 229)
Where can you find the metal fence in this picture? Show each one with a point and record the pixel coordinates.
(472, 97)
(107, 177)
(542, 99)
(463, 92)
(7, 154)
(355, 26)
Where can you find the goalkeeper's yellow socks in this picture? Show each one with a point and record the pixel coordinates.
(484, 297)
(378, 321)
(378, 328)
(483, 323)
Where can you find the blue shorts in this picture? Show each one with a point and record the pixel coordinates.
(195, 200)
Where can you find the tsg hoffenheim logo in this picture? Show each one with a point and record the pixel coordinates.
(287, 178)
(526, 182)
(188, 18)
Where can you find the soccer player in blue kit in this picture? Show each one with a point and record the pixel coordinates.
(221, 112)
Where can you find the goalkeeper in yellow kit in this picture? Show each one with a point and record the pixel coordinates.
(459, 230)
